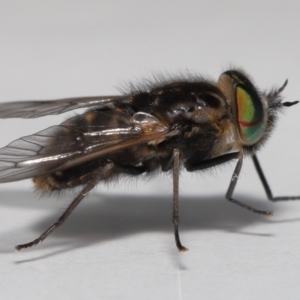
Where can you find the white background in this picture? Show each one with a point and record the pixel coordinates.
(119, 244)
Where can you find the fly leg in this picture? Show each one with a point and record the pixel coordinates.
(266, 185)
(176, 162)
(205, 164)
(98, 174)
(232, 185)
(194, 165)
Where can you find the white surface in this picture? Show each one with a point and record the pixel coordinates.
(119, 244)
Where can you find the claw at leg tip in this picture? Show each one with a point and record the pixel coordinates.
(183, 249)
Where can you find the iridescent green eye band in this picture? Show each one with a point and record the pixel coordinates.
(250, 114)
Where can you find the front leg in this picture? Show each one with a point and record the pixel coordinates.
(233, 182)
(193, 165)
(266, 185)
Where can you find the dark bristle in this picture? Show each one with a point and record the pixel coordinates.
(288, 104)
(283, 87)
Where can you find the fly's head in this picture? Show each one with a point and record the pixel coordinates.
(254, 112)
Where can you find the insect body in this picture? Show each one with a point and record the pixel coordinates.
(190, 123)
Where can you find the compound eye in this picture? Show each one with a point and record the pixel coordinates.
(250, 115)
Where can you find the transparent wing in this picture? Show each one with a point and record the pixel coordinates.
(79, 139)
(35, 109)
